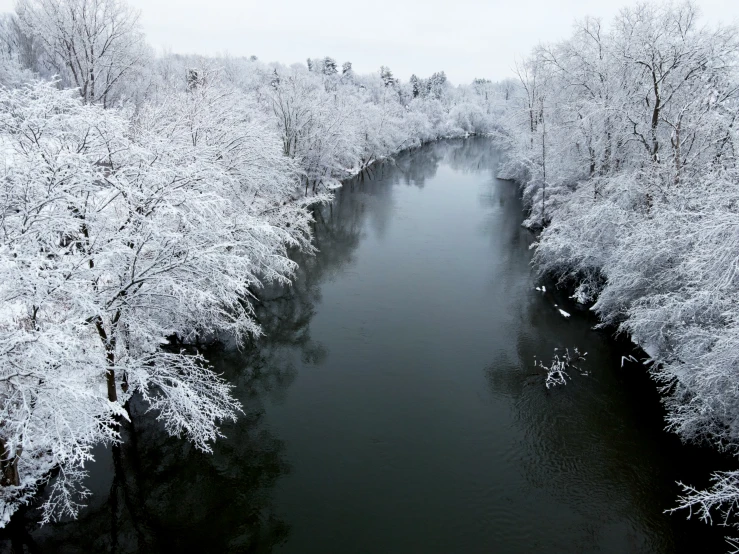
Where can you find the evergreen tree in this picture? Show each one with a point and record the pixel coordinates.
(387, 76)
(415, 86)
(329, 66)
(436, 84)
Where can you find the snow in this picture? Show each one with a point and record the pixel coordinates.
(155, 207)
(213, 181)
(643, 218)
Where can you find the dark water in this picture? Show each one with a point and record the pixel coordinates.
(394, 406)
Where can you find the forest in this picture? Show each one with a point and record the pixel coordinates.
(148, 197)
(624, 140)
(145, 201)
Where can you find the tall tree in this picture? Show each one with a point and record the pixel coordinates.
(92, 44)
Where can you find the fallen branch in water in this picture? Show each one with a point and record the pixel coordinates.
(557, 369)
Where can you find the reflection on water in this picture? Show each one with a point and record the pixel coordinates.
(157, 493)
(393, 404)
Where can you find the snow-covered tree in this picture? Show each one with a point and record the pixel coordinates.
(120, 245)
(92, 45)
(436, 84)
(387, 76)
(329, 66)
(631, 131)
(416, 86)
(144, 202)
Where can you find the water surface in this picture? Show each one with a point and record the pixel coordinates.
(394, 406)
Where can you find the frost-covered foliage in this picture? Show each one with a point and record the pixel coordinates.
(144, 201)
(92, 45)
(15, 51)
(335, 124)
(625, 142)
(116, 236)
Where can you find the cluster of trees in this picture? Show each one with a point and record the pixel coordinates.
(625, 141)
(144, 200)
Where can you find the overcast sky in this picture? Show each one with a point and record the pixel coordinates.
(465, 38)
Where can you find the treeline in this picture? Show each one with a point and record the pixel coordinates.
(144, 201)
(625, 141)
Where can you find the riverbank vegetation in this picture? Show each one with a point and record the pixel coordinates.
(624, 138)
(145, 199)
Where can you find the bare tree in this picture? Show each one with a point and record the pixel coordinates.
(91, 44)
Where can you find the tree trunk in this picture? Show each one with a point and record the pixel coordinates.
(9, 466)
(109, 345)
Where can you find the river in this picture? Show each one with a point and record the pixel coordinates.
(393, 405)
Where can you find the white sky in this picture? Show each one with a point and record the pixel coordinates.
(465, 38)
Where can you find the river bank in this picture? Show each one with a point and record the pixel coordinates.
(393, 404)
